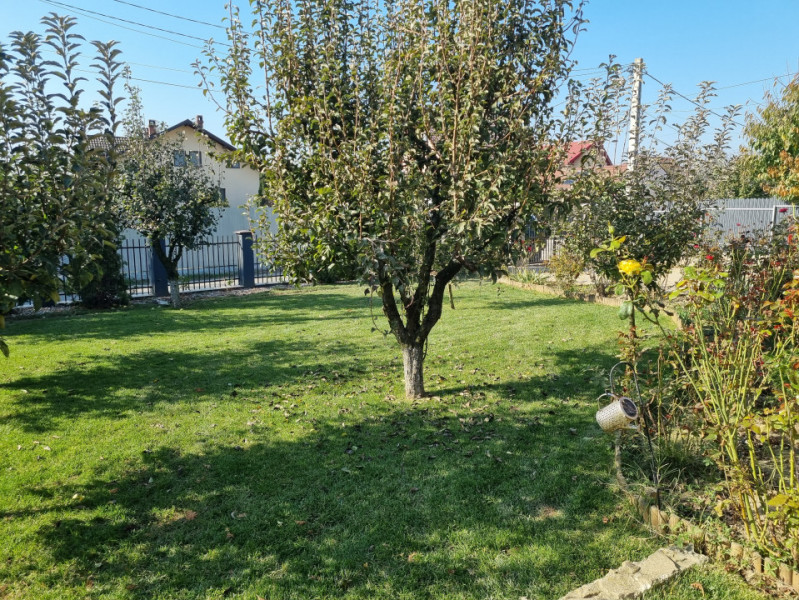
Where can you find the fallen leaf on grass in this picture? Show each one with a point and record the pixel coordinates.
(412, 556)
(190, 515)
(300, 522)
(698, 586)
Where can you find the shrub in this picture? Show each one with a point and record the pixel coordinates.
(566, 266)
(737, 359)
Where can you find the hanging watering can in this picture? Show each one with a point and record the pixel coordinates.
(620, 413)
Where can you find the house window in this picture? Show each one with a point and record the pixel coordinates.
(233, 164)
(182, 158)
(179, 157)
(223, 194)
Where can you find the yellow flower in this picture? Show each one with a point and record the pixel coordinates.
(630, 267)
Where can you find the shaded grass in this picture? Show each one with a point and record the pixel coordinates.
(260, 446)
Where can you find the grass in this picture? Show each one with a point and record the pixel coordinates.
(260, 447)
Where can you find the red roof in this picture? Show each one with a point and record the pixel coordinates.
(579, 149)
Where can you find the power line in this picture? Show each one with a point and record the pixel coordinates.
(180, 85)
(138, 64)
(683, 96)
(657, 139)
(153, 27)
(81, 12)
(726, 87)
(170, 14)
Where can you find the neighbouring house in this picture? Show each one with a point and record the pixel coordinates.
(217, 261)
(238, 182)
(583, 156)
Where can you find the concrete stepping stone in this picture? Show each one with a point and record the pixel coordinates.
(632, 579)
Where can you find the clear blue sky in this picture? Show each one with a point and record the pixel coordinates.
(682, 42)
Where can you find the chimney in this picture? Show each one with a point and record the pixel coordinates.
(198, 122)
(151, 128)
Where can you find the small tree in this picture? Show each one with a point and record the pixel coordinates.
(56, 163)
(416, 137)
(773, 137)
(164, 195)
(660, 206)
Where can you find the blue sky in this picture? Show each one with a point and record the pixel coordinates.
(682, 42)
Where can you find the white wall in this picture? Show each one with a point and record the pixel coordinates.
(240, 185)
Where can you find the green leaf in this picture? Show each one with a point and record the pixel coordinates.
(646, 277)
(625, 310)
(778, 500)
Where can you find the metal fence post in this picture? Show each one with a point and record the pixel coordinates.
(773, 219)
(158, 276)
(246, 260)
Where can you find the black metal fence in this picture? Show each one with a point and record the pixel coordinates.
(266, 273)
(219, 263)
(137, 258)
(213, 265)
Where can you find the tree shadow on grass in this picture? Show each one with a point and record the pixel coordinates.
(155, 377)
(447, 498)
(207, 315)
(414, 503)
(563, 373)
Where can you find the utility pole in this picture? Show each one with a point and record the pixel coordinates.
(635, 114)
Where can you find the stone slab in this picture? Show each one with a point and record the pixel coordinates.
(632, 579)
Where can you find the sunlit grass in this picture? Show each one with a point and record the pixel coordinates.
(261, 446)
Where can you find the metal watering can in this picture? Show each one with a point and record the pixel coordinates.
(620, 413)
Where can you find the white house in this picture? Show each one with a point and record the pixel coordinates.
(238, 182)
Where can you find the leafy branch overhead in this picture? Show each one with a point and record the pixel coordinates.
(411, 140)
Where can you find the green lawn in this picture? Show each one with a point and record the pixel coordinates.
(261, 447)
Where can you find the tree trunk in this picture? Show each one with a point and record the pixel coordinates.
(413, 361)
(174, 292)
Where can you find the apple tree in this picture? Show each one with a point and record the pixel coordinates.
(415, 139)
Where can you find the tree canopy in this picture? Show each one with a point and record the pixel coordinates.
(773, 136)
(54, 178)
(660, 205)
(414, 139)
(163, 194)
